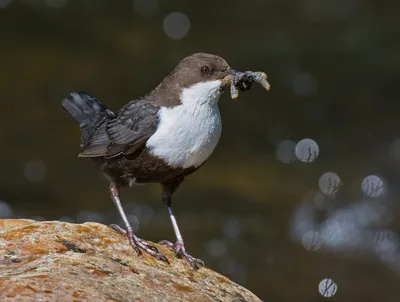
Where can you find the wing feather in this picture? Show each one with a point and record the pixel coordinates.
(124, 133)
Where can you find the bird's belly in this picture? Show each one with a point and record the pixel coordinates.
(202, 145)
(187, 139)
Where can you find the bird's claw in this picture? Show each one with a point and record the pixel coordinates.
(166, 243)
(117, 228)
(161, 257)
(139, 245)
(195, 263)
(243, 81)
(180, 252)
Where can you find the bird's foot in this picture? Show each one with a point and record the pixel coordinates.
(139, 245)
(180, 252)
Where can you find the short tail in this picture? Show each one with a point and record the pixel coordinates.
(87, 111)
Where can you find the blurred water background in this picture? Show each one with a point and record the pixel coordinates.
(300, 200)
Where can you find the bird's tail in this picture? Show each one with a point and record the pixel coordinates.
(87, 111)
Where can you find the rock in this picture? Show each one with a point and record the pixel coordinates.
(59, 261)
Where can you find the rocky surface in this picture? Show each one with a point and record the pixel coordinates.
(59, 261)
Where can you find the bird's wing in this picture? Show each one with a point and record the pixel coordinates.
(124, 133)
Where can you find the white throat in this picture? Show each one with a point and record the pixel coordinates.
(188, 133)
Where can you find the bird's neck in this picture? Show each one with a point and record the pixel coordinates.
(201, 94)
(195, 96)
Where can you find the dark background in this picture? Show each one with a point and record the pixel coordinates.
(252, 210)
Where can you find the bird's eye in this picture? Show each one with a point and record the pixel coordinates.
(206, 70)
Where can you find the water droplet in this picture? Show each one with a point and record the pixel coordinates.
(327, 288)
(373, 186)
(311, 241)
(231, 228)
(340, 231)
(329, 183)
(176, 25)
(385, 241)
(35, 170)
(307, 150)
(216, 248)
(285, 151)
(303, 220)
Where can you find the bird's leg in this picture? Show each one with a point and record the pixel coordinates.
(137, 244)
(179, 247)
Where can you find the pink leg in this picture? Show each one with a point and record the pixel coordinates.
(137, 244)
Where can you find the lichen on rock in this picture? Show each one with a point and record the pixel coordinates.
(59, 261)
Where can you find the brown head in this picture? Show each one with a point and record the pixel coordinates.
(194, 69)
(200, 67)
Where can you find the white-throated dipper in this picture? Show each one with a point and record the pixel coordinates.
(159, 138)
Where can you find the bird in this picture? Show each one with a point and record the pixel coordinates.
(162, 137)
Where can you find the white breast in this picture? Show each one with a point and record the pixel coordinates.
(187, 134)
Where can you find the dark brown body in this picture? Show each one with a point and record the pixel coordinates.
(141, 167)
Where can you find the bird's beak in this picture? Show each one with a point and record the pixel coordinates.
(231, 71)
(243, 81)
(230, 76)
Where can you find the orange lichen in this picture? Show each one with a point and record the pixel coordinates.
(183, 288)
(73, 262)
